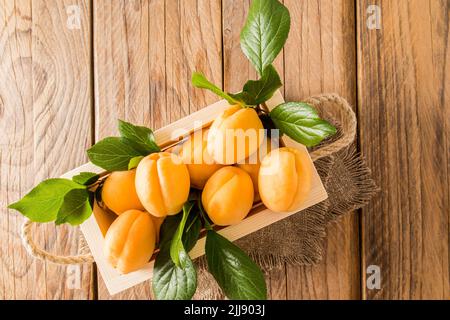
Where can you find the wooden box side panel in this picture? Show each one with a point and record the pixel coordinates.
(116, 282)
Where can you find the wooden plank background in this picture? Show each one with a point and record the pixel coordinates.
(62, 89)
(404, 110)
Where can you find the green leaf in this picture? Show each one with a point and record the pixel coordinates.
(265, 32)
(238, 276)
(191, 232)
(115, 154)
(257, 92)
(140, 138)
(86, 178)
(199, 81)
(75, 209)
(206, 220)
(134, 162)
(176, 246)
(171, 282)
(301, 122)
(112, 154)
(43, 203)
(168, 229)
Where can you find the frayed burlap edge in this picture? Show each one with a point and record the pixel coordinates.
(364, 187)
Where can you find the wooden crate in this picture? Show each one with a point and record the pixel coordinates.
(258, 218)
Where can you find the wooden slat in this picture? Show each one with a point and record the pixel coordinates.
(16, 146)
(165, 41)
(46, 110)
(404, 118)
(320, 57)
(121, 64)
(237, 70)
(121, 77)
(337, 275)
(193, 42)
(62, 123)
(311, 67)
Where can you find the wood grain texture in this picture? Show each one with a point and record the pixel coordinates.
(46, 108)
(404, 118)
(337, 275)
(121, 77)
(321, 57)
(121, 64)
(145, 53)
(16, 145)
(236, 71)
(193, 43)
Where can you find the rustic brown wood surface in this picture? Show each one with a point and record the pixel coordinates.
(321, 58)
(45, 116)
(404, 109)
(62, 88)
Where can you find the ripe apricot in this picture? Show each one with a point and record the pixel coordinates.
(157, 222)
(104, 218)
(252, 164)
(200, 164)
(285, 179)
(235, 135)
(162, 184)
(228, 196)
(130, 241)
(119, 192)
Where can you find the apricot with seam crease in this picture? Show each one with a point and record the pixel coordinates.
(130, 241)
(162, 184)
(228, 196)
(200, 164)
(252, 164)
(285, 179)
(235, 135)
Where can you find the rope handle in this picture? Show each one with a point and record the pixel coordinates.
(348, 124)
(348, 135)
(35, 251)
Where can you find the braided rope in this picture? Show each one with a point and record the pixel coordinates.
(349, 124)
(41, 254)
(349, 131)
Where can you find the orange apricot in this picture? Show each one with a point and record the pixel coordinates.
(200, 164)
(130, 241)
(162, 184)
(285, 179)
(103, 217)
(228, 196)
(119, 192)
(252, 164)
(235, 135)
(157, 222)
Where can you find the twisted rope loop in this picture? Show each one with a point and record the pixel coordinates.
(348, 123)
(41, 254)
